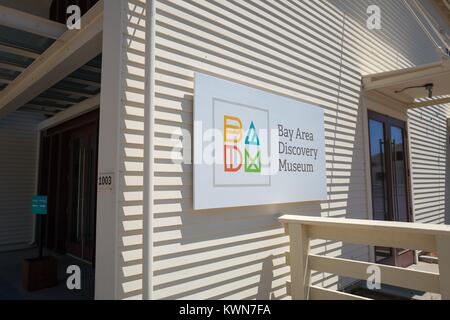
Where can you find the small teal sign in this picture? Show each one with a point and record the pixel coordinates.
(39, 205)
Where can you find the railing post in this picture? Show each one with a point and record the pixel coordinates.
(299, 251)
(443, 251)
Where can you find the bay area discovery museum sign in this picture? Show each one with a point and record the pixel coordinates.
(255, 148)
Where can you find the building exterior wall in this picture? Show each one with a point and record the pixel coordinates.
(428, 134)
(313, 51)
(447, 176)
(120, 214)
(18, 167)
(309, 50)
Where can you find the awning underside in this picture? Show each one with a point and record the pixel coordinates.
(22, 50)
(413, 87)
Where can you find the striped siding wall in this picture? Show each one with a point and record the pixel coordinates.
(315, 51)
(131, 180)
(428, 134)
(447, 177)
(18, 161)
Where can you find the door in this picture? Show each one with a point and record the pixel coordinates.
(81, 207)
(67, 175)
(390, 183)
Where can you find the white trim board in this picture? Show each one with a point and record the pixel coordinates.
(27, 22)
(70, 52)
(71, 113)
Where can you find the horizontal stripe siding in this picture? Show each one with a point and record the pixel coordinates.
(428, 134)
(313, 51)
(131, 179)
(18, 160)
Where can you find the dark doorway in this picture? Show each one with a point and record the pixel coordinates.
(68, 171)
(390, 181)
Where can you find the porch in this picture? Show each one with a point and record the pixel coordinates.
(303, 230)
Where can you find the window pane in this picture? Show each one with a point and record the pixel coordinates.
(399, 175)
(378, 171)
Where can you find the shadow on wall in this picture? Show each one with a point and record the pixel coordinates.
(447, 177)
(131, 178)
(428, 133)
(265, 283)
(220, 248)
(405, 49)
(240, 253)
(212, 249)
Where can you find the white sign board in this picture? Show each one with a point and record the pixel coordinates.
(255, 148)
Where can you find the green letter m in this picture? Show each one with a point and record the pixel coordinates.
(252, 165)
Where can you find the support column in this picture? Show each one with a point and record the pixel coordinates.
(120, 212)
(443, 251)
(299, 251)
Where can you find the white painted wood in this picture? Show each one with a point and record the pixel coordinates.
(317, 293)
(72, 51)
(18, 51)
(289, 288)
(388, 82)
(428, 103)
(108, 260)
(434, 238)
(38, 8)
(23, 21)
(404, 278)
(300, 274)
(379, 237)
(443, 250)
(120, 214)
(149, 148)
(389, 226)
(11, 67)
(74, 111)
(300, 49)
(428, 145)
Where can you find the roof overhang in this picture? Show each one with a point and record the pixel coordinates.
(72, 50)
(393, 84)
(30, 23)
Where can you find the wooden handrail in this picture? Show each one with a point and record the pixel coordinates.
(302, 229)
(419, 228)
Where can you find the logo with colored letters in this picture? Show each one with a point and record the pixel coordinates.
(244, 148)
(233, 155)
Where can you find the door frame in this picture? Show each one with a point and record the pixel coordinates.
(398, 255)
(60, 132)
(72, 248)
(403, 125)
(391, 108)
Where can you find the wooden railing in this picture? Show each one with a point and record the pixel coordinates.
(301, 230)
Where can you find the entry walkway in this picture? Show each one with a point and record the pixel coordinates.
(11, 279)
